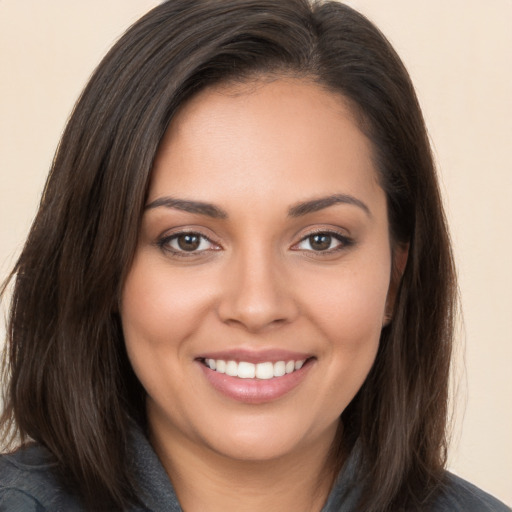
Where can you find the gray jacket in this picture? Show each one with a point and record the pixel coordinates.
(27, 484)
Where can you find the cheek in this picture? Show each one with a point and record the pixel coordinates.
(158, 306)
(349, 316)
(349, 307)
(159, 312)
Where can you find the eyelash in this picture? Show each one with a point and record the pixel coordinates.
(164, 243)
(344, 242)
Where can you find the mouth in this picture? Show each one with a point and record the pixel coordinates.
(255, 378)
(265, 370)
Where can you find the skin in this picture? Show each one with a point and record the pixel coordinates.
(255, 151)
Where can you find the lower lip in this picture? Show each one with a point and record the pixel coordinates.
(255, 391)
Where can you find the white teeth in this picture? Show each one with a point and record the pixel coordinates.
(279, 369)
(264, 370)
(232, 369)
(246, 370)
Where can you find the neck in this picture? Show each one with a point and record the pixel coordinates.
(206, 480)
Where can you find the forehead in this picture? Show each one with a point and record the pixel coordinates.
(286, 135)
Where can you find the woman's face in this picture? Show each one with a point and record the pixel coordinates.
(254, 305)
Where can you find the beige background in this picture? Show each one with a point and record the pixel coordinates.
(458, 53)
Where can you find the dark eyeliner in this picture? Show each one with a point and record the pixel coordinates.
(346, 242)
(163, 244)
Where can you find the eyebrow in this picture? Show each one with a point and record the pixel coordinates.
(186, 205)
(315, 205)
(297, 210)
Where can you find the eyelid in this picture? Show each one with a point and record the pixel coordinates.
(345, 240)
(164, 239)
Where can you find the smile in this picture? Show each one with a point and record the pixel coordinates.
(246, 370)
(255, 378)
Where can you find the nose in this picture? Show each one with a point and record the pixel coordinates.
(257, 293)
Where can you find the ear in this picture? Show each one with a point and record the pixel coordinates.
(399, 258)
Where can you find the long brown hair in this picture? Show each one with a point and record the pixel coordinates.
(70, 385)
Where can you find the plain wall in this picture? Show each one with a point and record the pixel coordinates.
(458, 53)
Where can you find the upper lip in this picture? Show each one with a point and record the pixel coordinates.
(256, 356)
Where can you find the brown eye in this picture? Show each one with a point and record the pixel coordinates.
(320, 241)
(188, 241)
(323, 242)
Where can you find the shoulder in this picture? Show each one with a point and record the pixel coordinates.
(458, 495)
(28, 483)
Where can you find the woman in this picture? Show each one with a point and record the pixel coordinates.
(227, 299)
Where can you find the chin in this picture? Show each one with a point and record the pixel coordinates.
(255, 448)
(254, 440)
